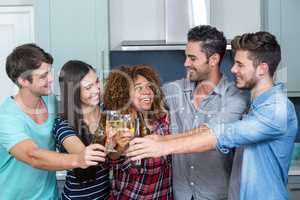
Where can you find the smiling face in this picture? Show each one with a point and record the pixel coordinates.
(196, 62)
(90, 89)
(142, 95)
(42, 79)
(244, 71)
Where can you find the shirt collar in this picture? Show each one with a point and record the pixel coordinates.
(189, 86)
(279, 87)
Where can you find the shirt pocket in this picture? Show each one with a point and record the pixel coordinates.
(212, 118)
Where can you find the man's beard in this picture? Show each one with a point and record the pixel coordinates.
(249, 85)
(195, 76)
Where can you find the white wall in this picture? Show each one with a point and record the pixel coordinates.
(144, 19)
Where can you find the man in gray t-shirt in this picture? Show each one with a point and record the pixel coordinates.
(204, 96)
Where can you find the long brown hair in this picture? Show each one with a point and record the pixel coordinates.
(70, 109)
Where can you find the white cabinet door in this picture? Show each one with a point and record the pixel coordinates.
(16, 27)
(236, 17)
(283, 21)
(74, 30)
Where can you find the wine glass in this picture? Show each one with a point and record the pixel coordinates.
(127, 126)
(113, 123)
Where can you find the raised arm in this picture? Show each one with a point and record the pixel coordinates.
(27, 151)
(196, 140)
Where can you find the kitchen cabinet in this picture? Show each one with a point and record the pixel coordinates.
(16, 2)
(294, 180)
(146, 20)
(294, 187)
(74, 30)
(237, 17)
(282, 20)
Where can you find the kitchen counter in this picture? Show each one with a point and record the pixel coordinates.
(294, 171)
(60, 175)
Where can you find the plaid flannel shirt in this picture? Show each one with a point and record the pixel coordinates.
(152, 179)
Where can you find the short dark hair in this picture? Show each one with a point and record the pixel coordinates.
(25, 58)
(212, 40)
(262, 47)
(72, 72)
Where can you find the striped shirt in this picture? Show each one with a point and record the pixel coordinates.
(97, 188)
(152, 180)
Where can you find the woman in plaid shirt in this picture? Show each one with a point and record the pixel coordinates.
(136, 90)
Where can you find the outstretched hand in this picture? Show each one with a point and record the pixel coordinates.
(91, 155)
(147, 147)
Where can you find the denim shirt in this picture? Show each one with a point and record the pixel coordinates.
(267, 134)
(202, 175)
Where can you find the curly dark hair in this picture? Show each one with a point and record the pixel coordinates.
(262, 47)
(118, 86)
(117, 89)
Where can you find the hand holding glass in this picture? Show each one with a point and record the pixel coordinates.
(113, 123)
(126, 131)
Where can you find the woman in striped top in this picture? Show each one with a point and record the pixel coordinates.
(75, 127)
(136, 90)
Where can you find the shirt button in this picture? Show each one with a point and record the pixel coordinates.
(209, 116)
(192, 183)
(192, 167)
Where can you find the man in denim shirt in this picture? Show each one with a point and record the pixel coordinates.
(267, 133)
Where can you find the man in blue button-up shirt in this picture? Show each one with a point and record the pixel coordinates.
(267, 133)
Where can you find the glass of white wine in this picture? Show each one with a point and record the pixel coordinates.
(127, 131)
(113, 124)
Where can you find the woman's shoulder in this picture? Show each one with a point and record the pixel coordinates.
(59, 121)
(62, 125)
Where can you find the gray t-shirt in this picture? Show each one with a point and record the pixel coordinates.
(203, 175)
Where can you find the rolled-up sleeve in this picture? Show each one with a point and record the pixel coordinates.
(260, 125)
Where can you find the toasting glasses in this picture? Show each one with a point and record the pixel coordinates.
(113, 124)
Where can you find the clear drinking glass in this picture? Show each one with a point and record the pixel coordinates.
(126, 123)
(99, 138)
(113, 124)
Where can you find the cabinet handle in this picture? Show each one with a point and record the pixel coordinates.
(102, 67)
(294, 189)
